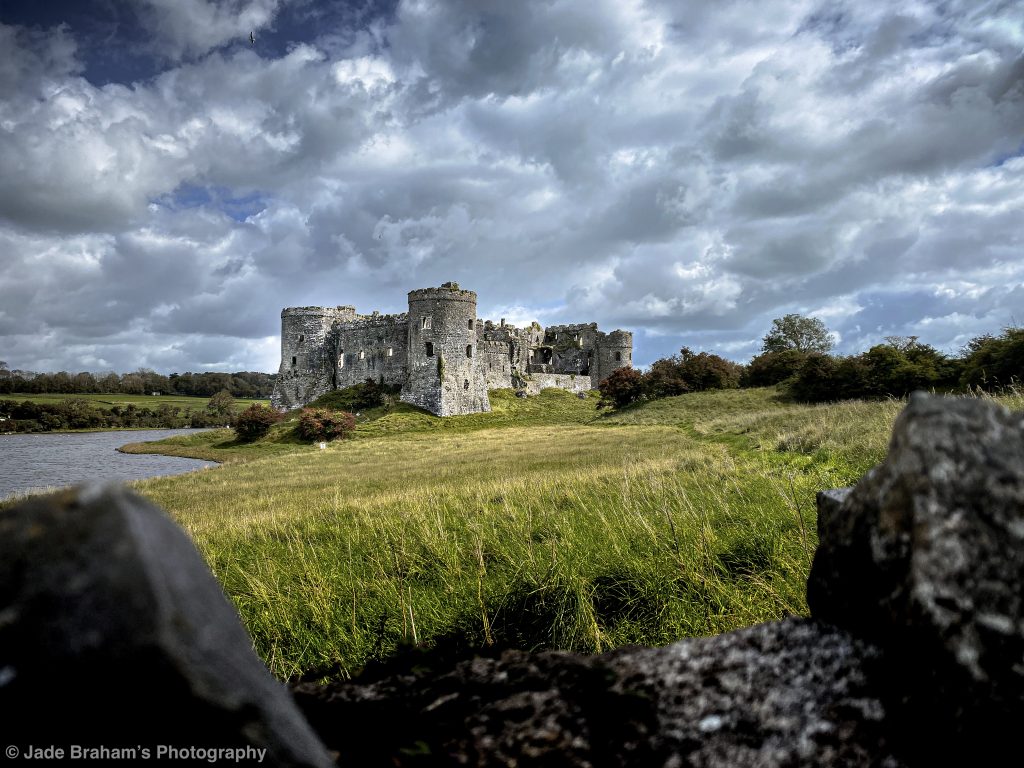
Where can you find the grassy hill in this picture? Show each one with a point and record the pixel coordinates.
(543, 524)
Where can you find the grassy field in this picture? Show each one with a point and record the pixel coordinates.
(544, 524)
(143, 401)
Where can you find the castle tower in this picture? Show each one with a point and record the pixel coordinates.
(444, 377)
(612, 350)
(307, 354)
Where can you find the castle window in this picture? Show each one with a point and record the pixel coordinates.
(302, 337)
(341, 358)
(618, 356)
(295, 360)
(362, 354)
(469, 351)
(425, 323)
(465, 384)
(471, 325)
(430, 349)
(391, 352)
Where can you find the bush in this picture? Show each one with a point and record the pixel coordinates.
(322, 424)
(254, 422)
(770, 368)
(624, 386)
(994, 361)
(704, 370)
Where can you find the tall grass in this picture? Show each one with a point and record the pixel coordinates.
(683, 517)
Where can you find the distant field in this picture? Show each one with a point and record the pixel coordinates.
(147, 401)
(544, 524)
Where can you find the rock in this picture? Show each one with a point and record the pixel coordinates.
(926, 557)
(114, 633)
(520, 393)
(581, 395)
(789, 693)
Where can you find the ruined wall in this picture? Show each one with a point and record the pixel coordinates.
(307, 354)
(496, 363)
(371, 347)
(571, 382)
(444, 377)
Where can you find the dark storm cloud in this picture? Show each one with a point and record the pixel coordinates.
(689, 170)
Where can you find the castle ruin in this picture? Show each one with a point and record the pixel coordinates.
(441, 355)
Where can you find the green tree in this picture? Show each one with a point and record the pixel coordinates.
(221, 404)
(804, 334)
(770, 368)
(622, 387)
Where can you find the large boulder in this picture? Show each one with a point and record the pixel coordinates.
(789, 693)
(114, 634)
(925, 557)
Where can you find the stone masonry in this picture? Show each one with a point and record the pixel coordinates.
(442, 356)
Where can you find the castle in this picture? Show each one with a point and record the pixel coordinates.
(443, 357)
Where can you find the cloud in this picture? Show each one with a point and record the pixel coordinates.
(688, 170)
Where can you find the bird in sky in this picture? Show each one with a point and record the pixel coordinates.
(252, 38)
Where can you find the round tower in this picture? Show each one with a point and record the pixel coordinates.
(614, 350)
(444, 377)
(307, 364)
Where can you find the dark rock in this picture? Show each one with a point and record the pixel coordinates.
(581, 395)
(520, 393)
(926, 557)
(794, 692)
(114, 633)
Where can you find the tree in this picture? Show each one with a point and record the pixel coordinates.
(622, 387)
(804, 334)
(221, 404)
(770, 368)
(704, 370)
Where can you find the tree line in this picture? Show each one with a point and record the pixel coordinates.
(796, 356)
(79, 413)
(245, 384)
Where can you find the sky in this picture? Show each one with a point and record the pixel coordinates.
(685, 169)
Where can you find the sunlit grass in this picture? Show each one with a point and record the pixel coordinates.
(682, 517)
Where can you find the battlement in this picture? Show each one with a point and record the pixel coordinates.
(446, 292)
(441, 355)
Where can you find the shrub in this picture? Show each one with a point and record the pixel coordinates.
(994, 361)
(254, 422)
(322, 424)
(704, 370)
(770, 368)
(624, 386)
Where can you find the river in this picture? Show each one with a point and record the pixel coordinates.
(29, 462)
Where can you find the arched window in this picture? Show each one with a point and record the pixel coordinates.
(469, 351)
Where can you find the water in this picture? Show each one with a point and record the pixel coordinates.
(30, 462)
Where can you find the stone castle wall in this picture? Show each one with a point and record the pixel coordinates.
(444, 358)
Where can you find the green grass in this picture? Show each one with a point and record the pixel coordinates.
(544, 524)
(152, 402)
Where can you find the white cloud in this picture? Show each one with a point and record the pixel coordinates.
(685, 169)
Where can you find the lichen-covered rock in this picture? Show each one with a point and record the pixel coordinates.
(114, 633)
(926, 558)
(790, 693)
